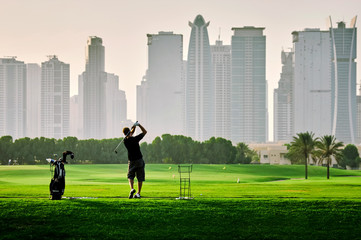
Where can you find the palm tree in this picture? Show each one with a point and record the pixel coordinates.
(303, 146)
(327, 148)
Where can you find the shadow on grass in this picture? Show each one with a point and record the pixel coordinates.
(174, 219)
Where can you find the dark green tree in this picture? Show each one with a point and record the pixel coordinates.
(219, 150)
(182, 148)
(23, 153)
(6, 152)
(350, 157)
(155, 151)
(168, 149)
(70, 144)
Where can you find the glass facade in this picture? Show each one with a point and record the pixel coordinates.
(94, 100)
(249, 88)
(12, 98)
(221, 59)
(55, 99)
(344, 125)
(312, 82)
(283, 100)
(199, 99)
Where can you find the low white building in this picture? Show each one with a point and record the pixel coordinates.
(271, 153)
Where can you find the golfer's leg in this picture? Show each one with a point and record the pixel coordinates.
(131, 183)
(131, 174)
(140, 184)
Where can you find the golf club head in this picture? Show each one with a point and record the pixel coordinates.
(50, 160)
(116, 152)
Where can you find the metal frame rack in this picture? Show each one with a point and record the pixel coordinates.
(185, 181)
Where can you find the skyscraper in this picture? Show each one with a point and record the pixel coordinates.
(142, 101)
(124, 106)
(249, 88)
(80, 108)
(283, 100)
(55, 97)
(75, 119)
(344, 44)
(33, 86)
(358, 135)
(113, 106)
(12, 97)
(199, 87)
(163, 88)
(221, 60)
(184, 80)
(93, 82)
(312, 82)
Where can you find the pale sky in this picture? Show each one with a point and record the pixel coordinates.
(33, 29)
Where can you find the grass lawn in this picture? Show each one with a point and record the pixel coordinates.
(268, 202)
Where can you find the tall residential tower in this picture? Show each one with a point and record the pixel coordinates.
(33, 85)
(55, 99)
(221, 60)
(312, 82)
(113, 106)
(199, 87)
(162, 89)
(249, 87)
(12, 97)
(93, 92)
(344, 43)
(283, 100)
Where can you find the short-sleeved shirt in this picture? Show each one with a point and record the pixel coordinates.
(132, 145)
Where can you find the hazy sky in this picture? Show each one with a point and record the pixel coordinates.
(33, 29)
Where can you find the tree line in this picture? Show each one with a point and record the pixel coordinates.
(171, 149)
(176, 149)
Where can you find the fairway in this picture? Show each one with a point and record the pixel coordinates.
(207, 181)
(233, 201)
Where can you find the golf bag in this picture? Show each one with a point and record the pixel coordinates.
(57, 183)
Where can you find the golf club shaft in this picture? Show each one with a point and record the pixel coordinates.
(115, 150)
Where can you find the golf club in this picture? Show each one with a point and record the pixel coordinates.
(115, 150)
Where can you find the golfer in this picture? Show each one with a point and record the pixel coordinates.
(135, 158)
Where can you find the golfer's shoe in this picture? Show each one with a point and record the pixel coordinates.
(137, 195)
(131, 193)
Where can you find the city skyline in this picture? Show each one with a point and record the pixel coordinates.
(68, 24)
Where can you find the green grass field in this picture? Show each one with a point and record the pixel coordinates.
(230, 201)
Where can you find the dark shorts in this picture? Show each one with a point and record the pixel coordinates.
(136, 169)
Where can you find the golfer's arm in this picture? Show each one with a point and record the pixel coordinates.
(143, 129)
(132, 130)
